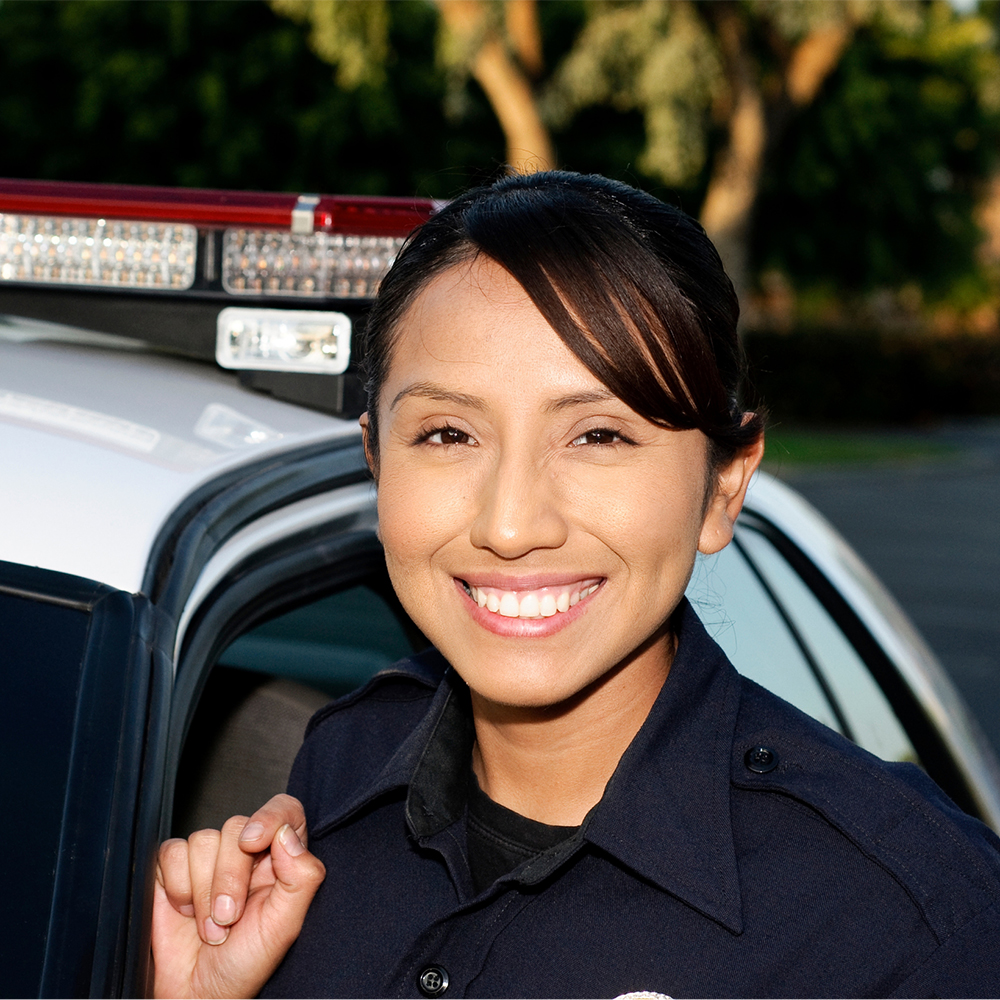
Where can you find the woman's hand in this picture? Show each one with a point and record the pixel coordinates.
(228, 904)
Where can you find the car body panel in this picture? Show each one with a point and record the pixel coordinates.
(134, 433)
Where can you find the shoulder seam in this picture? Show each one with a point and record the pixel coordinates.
(426, 690)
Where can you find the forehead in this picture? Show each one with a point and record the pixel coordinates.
(475, 324)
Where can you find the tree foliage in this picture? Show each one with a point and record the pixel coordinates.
(354, 37)
(227, 94)
(889, 166)
(653, 57)
(842, 143)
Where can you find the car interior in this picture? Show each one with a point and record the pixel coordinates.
(267, 684)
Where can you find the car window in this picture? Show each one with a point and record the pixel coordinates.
(872, 722)
(335, 643)
(266, 686)
(742, 617)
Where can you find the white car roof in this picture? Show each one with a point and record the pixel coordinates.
(100, 444)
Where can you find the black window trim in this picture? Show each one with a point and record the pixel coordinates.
(935, 756)
(824, 685)
(221, 507)
(290, 573)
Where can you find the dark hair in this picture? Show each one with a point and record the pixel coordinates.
(633, 287)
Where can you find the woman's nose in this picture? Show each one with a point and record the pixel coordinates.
(518, 511)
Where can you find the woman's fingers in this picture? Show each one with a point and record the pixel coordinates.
(208, 876)
(298, 874)
(196, 952)
(203, 853)
(231, 878)
(174, 875)
(261, 827)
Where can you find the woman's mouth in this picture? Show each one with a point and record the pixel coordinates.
(542, 602)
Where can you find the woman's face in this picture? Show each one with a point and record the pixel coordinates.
(536, 529)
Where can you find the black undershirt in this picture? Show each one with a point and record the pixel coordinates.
(500, 840)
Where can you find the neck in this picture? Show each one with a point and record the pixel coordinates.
(552, 763)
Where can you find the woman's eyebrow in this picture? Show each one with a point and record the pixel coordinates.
(431, 390)
(579, 399)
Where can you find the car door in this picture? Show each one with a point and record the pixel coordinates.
(84, 685)
(99, 686)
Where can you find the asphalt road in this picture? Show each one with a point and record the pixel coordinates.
(931, 530)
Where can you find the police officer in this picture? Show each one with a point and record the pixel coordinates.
(573, 793)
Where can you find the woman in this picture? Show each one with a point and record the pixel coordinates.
(573, 794)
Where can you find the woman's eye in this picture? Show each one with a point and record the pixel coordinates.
(447, 435)
(599, 435)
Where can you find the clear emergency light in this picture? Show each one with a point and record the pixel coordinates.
(320, 265)
(283, 340)
(47, 249)
(262, 282)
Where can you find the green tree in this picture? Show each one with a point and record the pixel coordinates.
(226, 94)
(876, 186)
(774, 120)
(716, 84)
(496, 42)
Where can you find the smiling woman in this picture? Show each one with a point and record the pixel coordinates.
(573, 793)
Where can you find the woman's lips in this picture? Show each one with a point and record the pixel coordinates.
(521, 610)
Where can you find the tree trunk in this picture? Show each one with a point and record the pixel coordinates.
(732, 189)
(505, 84)
(754, 130)
(525, 34)
(814, 59)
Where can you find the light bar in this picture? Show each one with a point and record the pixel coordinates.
(283, 340)
(320, 265)
(43, 249)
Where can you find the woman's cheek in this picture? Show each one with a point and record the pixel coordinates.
(420, 510)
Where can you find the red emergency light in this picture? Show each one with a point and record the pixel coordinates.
(208, 208)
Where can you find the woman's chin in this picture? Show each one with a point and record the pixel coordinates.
(523, 683)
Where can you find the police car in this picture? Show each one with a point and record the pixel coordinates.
(189, 565)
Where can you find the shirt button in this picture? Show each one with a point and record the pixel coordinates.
(433, 981)
(760, 760)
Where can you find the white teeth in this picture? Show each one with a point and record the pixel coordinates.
(533, 604)
(529, 607)
(509, 607)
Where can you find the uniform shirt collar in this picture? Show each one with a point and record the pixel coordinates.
(665, 812)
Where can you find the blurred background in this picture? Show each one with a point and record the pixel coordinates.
(843, 154)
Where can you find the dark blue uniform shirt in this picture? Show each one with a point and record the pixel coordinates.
(741, 849)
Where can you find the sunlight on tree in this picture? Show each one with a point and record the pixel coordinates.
(717, 84)
(353, 37)
(499, 45)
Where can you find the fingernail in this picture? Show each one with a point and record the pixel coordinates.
(224, 910)
(188, 909)
(252, 831)
(214, 934)
(290, 841)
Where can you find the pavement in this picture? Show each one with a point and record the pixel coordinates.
(930, 529)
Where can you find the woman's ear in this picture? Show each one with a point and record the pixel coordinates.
(730, 490)
(366, 439)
